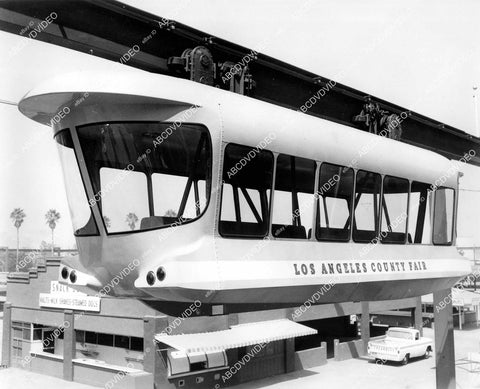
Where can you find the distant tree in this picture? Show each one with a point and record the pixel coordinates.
(108, 222)
(170, 213)
(131, 220)
(18, 217)
(52, 217)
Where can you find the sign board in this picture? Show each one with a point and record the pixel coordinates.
(63, 297)
(57, 287)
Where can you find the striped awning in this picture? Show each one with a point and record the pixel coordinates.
(237, 336)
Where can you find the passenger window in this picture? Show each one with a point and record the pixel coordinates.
(247, 181)
(293, 199)
(394, 210)
(334, 197)
(443, 216)
(367, 206)
(419, 214)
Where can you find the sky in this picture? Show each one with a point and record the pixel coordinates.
(423, 55)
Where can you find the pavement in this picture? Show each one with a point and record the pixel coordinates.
(14, 378)
(361, 373)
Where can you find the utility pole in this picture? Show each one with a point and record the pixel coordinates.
(475, 106)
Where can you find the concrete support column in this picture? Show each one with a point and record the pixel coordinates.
(444, 342)
(69, 346)
(417, 318)
(152, 361)
(233, 357)
(336, 351)
(289, 355)
(323, 359)
(7, 334)
(365, 325)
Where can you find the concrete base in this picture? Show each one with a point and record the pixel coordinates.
(313, 357)
(444, 340)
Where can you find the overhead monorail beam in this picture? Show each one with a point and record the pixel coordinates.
(82, 27)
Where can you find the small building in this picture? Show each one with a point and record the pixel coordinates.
(466, 306)
(102, 341)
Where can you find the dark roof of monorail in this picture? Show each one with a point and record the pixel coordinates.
(108, 28)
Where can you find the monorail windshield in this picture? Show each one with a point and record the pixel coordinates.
(146, 175)
(80, 212)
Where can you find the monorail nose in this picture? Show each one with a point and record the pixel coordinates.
(78, 279)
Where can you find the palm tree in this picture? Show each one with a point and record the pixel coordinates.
(131, 220)
(52, 217)
(170, 213)
(18, 216)
(108, 222)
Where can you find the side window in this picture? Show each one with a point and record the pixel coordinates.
(334, 196)
(443, 216)
(247, 181)
(394, 210)
(367, 206)
(419, 214)
(293, 197)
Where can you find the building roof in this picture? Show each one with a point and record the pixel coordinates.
(237, 336)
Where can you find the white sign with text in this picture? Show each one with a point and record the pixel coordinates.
(64, 297)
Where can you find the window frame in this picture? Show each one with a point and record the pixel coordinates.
(349, 239)
(454, 216)
(272, 199)
(430, 235)
(268, 218)
(378, 221)
(409, 184)
(209, 172)
(77, 161)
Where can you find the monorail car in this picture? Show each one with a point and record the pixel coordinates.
(182, 192)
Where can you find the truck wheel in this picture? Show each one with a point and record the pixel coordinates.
(405, 359)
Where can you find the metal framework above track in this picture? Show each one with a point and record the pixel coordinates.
(112, 30)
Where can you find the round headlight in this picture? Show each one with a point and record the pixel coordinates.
(73, 277)
(150, 278)
(161, 273)
(64, 273)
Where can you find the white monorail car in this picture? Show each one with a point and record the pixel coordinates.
(182, 192)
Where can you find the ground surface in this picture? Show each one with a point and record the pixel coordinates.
(353, 374)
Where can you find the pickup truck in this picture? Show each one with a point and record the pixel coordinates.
(400, 344)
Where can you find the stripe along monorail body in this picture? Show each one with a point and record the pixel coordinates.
(182, 192)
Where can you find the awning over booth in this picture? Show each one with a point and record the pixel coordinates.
(237, 336)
